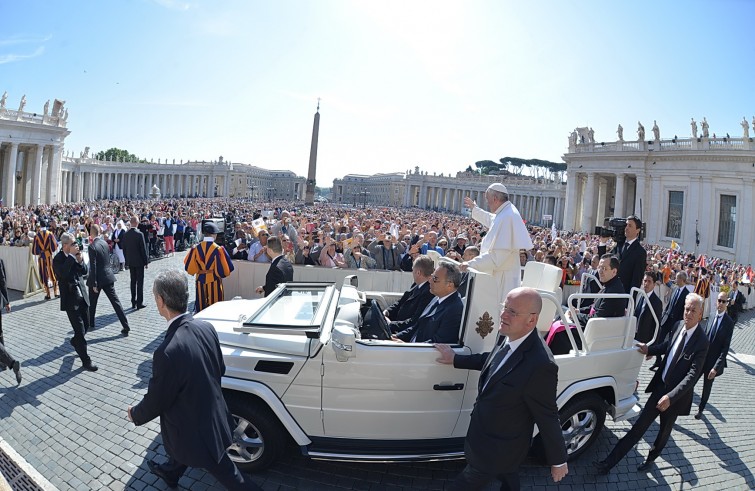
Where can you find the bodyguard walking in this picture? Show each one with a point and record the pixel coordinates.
(70, 268)
(719, 331)
(101, 278)
(137, 260)
(185, 392)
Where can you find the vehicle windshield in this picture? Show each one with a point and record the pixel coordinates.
(296, 306)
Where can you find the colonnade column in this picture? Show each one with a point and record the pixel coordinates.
(618, 207)
(639, 196)
(10, 175)
(587, 204)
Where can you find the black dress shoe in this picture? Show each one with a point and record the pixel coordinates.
(646, 465)
(91, 367)
(140, 307)
(699, 415)
(47, 297)
(602, 467)
(133, 305)
(17, 371)
(157, 470)
(125, 331)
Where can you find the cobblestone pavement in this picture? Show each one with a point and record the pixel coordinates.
(71, 425)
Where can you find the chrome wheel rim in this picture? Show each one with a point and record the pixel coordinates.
(248, 444)
(578, 429)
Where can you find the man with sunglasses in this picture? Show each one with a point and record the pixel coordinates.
(720, 328)
(440, 321)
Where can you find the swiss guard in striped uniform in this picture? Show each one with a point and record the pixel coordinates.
(45, 246)
(209, 263)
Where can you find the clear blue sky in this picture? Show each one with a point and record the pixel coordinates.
(403, 83)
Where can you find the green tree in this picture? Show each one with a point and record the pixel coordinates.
(117, 155)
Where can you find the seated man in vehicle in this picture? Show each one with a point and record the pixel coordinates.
(412, 303)
(440, 321)
(608, 273)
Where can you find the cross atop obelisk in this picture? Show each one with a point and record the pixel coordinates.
(309, 197)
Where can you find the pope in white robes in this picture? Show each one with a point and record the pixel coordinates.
(507, 234)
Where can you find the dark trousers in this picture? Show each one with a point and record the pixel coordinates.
(224, 471)
(6, 360)
(113, 297)
(471, 479)
(707, 386)
(2, 340)
(646, 418)
(79, 320)
(137, 284)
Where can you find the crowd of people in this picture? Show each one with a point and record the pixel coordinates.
(333, 236)
(385, 238)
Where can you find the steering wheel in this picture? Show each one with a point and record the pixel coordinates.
(386, 331)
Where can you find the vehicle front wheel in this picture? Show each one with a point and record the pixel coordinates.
(582, 418)
(258, 437)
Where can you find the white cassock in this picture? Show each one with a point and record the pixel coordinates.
(499, 250)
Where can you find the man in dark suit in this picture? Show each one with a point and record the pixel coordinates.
(70, 268)
(671, 388)
(736, 302)
(632, 256)
(280, 270)
(719, 330)
(6, 360)
(558, 340)
(185, 392)
(673, 313)
(101, 278)
(137, 260)
(516, 390)
(413, 302)
(645, 322)
(440, 321)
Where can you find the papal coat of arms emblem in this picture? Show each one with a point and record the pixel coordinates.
(484, 325)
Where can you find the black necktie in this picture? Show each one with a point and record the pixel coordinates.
(714, 328)
(493, 366)
(677, 353)
(640, 306)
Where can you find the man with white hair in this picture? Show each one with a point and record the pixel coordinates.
(499, 251)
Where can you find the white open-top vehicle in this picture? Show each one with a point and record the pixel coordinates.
(298, 369)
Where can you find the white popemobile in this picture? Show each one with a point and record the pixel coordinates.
(301, 368)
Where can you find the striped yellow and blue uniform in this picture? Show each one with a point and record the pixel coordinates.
(45, 246)
(210, 263)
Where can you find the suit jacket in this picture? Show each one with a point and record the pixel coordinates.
(606, 307)
(674, 311)
(3, 289)
(519, 395)
(280, 271)
(718, 346)
(411, 303)
(185, 392)
(70, 275)
(440, 326)
(100, 274)
(683, 376)
(632, 263)
(645, 322)
(134, 248)
(392, 255)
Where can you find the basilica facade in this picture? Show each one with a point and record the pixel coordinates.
(695, 190)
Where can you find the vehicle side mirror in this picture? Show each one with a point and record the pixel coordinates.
(343, 340)
(352, 280)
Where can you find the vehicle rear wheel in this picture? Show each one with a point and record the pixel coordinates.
(258, 437)
(582, 418)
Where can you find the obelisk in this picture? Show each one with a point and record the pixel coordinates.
(309, 198)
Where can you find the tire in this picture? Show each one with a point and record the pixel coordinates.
(582, 419)
(258, 437)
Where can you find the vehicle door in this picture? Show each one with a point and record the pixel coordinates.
(387, 390)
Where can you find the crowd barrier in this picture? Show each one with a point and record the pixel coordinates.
(247, 276)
